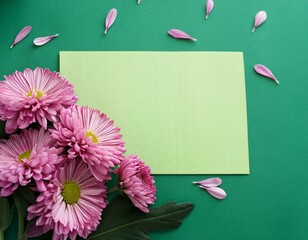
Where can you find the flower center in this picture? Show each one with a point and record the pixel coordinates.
(93, 136)
(24, 155)
(38, 94)
(71, 192)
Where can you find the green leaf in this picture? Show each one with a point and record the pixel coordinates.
(5, 213)
(122, 221)
(23, 197)
(2, 130)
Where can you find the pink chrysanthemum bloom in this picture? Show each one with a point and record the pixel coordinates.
(33, 96)
(31, 154)
(91, 136)
(136, 182)
(72, 204)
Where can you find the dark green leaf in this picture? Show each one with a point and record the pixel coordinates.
(37, 233)
(2, 130)
(23, 197)
(5, 213)
(122, 221)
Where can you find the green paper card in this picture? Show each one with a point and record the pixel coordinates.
(180, 112)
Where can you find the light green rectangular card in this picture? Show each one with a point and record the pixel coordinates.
(180, 112)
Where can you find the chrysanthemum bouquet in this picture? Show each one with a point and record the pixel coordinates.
(57, 159)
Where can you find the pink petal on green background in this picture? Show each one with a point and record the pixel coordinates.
(216, 192)
(175, 33)
(211, 182)
(264, 71)
(21, 35)
(209, 8)
(43, 40)
(111, 16)
(139, 1)
(259, 19)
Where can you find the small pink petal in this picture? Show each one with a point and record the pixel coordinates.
(175, 33)
(21, 35)
(216, 192)
(264, 71)
(259, 19)
(43, 40)
(209, 8)
(111, 16)
(211, 182)
(139, 1)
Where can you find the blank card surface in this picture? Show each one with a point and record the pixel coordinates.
(180, 112)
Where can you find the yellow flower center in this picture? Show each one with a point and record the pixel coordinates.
(24, 155)
(71, 192)
(38, 94)
(93, 136)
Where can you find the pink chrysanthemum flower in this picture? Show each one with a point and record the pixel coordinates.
(31, 154)
(91, 136)
(72, 204)
(33, 96)
(136, 182)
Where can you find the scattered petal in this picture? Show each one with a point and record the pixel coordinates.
(21, 35)
(175, 33)
(211, 182)
(264, 71)
(209, 8)
(139, 1)
(111, 16)
(43, 40)
(216, 192)
(259, 19)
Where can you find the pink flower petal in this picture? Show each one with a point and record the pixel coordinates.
(135, 180)
(175, 33)
(139, 1)
(211, 182)
(37, 155)
(21, 35)
(47, 93)
(209, 8)
(43, 40)
(111, 16)
(91, 136)
(259, 19)
(61, 210)
(264, 71)
(216, 192)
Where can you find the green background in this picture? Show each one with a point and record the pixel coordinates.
(271, 202)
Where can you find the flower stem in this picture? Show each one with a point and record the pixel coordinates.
(20, 227)
(1, 235)
(113, 189)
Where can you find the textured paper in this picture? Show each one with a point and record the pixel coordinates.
(181, 112)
